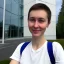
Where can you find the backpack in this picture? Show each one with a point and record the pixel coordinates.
(49, 48)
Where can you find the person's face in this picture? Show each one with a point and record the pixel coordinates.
(38, 22)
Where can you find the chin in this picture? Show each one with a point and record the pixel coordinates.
(36, 35)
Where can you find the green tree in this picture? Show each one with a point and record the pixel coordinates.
(60, 24)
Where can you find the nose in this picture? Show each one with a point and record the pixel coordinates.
(36, 24)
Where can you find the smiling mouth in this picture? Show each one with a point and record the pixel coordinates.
(36, 31)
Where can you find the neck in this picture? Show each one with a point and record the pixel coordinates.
(38, 42)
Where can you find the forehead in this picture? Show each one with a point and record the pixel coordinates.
(38, 13)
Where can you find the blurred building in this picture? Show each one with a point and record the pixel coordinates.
(16, 18)
(13, 18)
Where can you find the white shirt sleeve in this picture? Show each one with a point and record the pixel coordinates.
(58, 53)
(16, 54)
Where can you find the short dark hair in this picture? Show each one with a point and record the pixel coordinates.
(41, 6)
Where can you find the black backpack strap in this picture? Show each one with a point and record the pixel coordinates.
(50, 52)
(23, 47)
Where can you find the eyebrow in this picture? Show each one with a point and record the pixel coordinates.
(37, 18)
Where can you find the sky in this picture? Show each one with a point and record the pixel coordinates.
(58, 7)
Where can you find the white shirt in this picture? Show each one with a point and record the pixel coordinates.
(39, 56)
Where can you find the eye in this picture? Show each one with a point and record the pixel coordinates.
(41, 20)
(32, 19)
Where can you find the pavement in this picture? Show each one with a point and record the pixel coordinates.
(9, 46)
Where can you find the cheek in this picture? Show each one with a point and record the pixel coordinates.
(30, 24)
(44, 25)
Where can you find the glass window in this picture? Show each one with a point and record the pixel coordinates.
(7, 17)
(1, 22)
(14, 31)
(7, 31)
(14, 20)
(21, 32)
(1, 29)
(14, 7)
(8, 5)
(1, 3)
(6, 27)
(20, 11)
(20, 21)
(1, 15)
(21, 2)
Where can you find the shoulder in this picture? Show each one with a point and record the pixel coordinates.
(57, 45)
(58, 52)
(58, 49)
(16, 53)
(21, 44)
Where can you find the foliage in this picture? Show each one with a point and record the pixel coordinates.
(5, 62)
(60, 24)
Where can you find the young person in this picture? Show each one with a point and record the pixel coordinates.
(36, 52)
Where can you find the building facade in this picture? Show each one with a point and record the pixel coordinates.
(16, 11)
(51, 31)
(13, 23)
